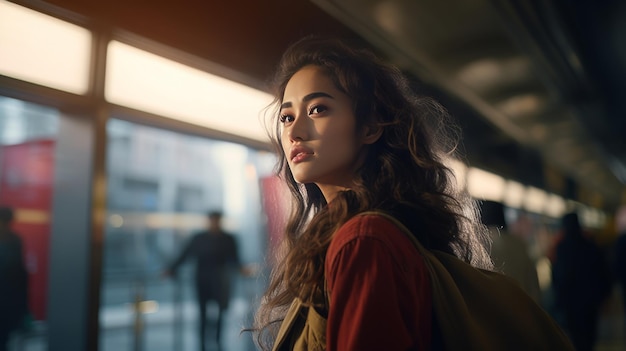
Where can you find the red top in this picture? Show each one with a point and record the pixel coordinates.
(379, 287)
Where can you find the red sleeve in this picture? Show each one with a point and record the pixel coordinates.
(379, 289)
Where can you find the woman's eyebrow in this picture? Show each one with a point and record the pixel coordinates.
(306, 98)
(314, 95)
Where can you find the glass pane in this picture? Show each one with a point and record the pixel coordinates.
(42, 49)
(147, 82)
(160, 186)
(27, 147)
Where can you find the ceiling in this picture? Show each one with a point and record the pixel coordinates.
(549, 77)
(539, 86)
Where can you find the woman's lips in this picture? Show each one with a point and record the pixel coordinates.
(300, 157)
(300, 154)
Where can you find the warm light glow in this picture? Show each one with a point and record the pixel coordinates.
(555, 206)
(30, 216)
(544, 273)
(521, 105)
(156, 220)
(489, 73)
(43, 50)
(514, 194)
(482, 73)
(460, 172)
(116, 221)
(484, 185)
(591, 217)
(251, 173)
(144, 81)
(389, 17)
(146, 306)
(535, 200)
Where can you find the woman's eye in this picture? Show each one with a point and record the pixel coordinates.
(317, 109)
(285, 118)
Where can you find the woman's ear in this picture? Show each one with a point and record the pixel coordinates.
(371, 134)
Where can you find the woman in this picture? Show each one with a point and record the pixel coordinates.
(352, 139)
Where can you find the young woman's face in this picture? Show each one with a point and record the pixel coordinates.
(319, 134)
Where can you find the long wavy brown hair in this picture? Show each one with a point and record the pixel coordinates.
(403, 172)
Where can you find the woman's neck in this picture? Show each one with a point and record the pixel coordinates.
(330, 191)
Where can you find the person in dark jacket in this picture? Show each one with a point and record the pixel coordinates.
(13, 279)
(619, 255)
(215, 254)
(581, 282)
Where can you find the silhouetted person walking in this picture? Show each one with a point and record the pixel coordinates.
(619, 255)
(13, 279)
(216, 255)
(581, 282)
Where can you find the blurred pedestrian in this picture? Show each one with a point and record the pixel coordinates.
(509, 252)
(13, 279)
(581, 282)
(215, 254)
(619, 254)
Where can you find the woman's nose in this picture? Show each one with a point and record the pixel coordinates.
(299, 129)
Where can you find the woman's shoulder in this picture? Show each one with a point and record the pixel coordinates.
(371, 226)
(370, 235)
